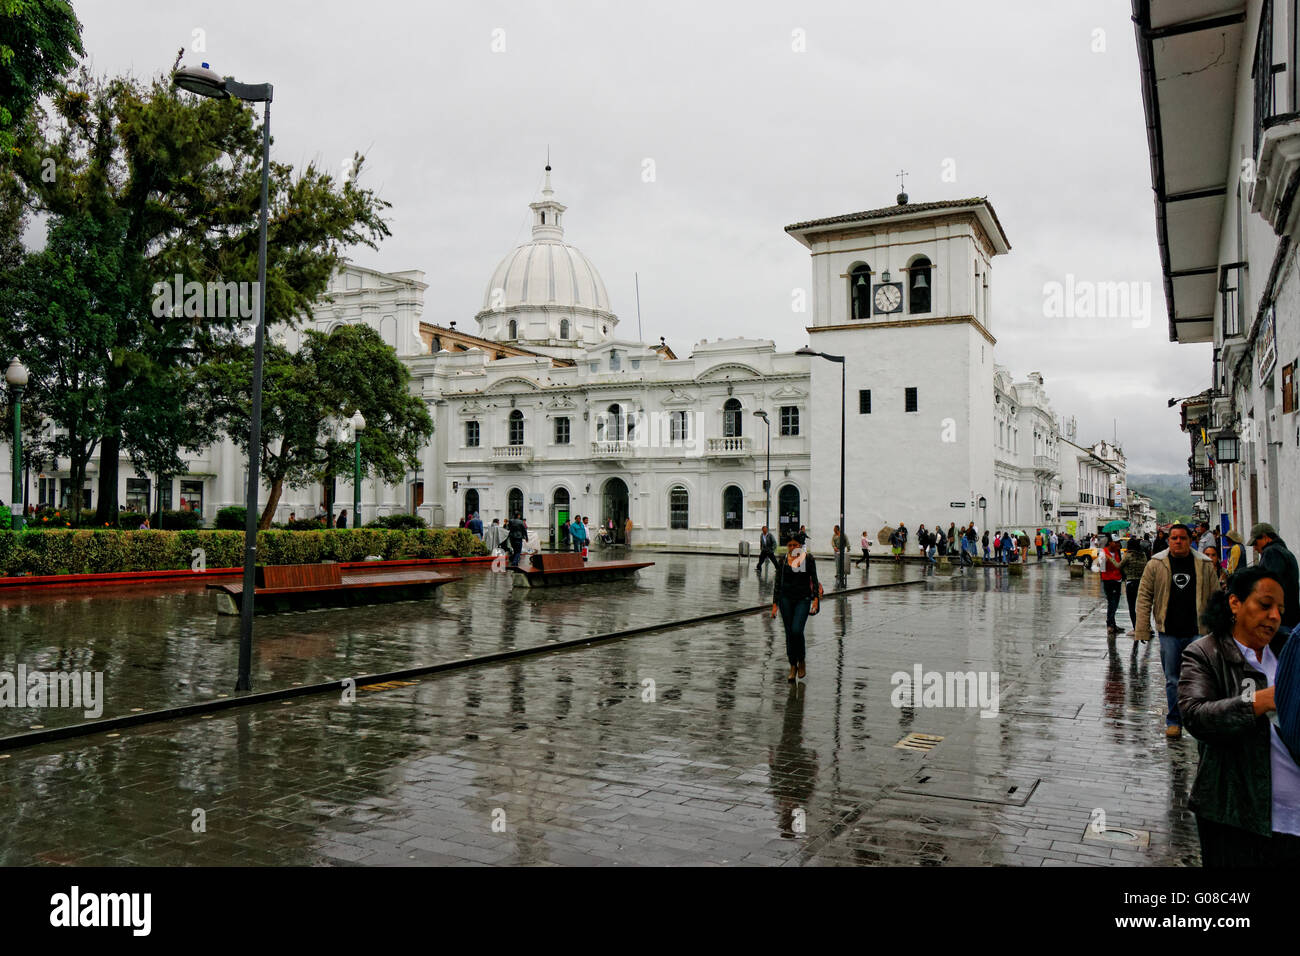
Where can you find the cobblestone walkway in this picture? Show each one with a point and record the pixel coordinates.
(564, 759)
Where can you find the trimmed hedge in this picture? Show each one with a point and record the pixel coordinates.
(92, 552)
(403, 522)
(231, 518)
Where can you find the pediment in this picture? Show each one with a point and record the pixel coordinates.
(473, 407)
(561, 403)
(679, 398)
(729, 371)
(790, 392)
(514, 384)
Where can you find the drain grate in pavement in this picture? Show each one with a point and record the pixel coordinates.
(918, 742)
(977, 788)
(1119, 836)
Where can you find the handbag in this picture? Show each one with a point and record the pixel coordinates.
(816, 607)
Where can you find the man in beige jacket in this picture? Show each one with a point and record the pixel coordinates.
(1176, 587)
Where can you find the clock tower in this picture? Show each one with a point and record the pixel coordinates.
(904, 294)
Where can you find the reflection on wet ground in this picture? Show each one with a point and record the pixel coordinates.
(159, 646)
(677, 747)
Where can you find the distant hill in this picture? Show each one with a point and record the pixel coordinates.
(1170, 495)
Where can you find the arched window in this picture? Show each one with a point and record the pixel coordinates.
(515, 503)
(564, 328)
(918, 295)
(512, 330)
(733, 500)
(516, 424)
(860, 291)
(731, 418)
(679, 507)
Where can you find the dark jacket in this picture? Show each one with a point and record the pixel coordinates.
(795, 585)
(1234, 782)
(1281, 562)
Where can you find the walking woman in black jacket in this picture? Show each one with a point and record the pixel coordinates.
(1246, 795)
(795, 594)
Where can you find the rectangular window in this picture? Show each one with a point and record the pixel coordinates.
(909, 400)
(192, 496)
(137, 495)
(562, 431)
(678, 429)
(789, 420)
(165, 487)
(1288, 375)
(864, 401)
(471, 434)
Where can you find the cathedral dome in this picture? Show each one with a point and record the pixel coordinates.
(546, 272)
(546, 295)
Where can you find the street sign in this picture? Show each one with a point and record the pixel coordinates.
(1068, 514)
(957, 504)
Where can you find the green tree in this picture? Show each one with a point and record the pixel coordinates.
(175, 179)
(307, 395)
(39, 42)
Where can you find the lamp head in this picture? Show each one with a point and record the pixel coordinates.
(200, 80)
(763, 415)
(16, 374)
(358, 421)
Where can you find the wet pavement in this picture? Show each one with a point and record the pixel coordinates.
(163, 645)
(572, 757)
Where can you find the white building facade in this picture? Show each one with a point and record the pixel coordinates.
(1220, 86)
(547, 411)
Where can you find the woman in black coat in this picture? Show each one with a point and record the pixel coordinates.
(1246, 795)
(795, 594)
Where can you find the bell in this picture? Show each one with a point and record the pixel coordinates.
(862, 279)
(919, 282)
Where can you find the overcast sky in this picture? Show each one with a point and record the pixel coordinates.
(1035, 105)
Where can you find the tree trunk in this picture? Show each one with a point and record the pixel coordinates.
(106, 511)
(271, 502)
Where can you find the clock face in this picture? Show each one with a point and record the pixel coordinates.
(888, 297)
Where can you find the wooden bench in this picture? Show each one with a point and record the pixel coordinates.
(283, 576)
(560, 561)
(296, 586)
(548, 570)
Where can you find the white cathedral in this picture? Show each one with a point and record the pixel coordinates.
(547, 409)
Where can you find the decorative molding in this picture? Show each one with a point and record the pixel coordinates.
(906, 323)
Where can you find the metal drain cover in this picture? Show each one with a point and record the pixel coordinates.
(978, 788)
(918, 742)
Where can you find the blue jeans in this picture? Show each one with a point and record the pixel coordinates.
(794, 615)
(1171, 661)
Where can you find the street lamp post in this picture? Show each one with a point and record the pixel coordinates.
(767, 482)
(841, 563)
(358, 426)
(205, 82)
(16, 376)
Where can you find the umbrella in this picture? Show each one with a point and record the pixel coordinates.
(884, 534)
(1020, 534)
(1118, 525)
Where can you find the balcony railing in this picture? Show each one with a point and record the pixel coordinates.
(1044, 463)
(509, 453)
(611, 449)
(729, 447)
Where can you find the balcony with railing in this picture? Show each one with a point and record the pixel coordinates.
(737, 447)
(1044, 463)
(609, 450)
(512, 454)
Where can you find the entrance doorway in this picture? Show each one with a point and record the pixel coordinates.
(515, 503)
(614, 506)
(471, 502)
(787, 509)
(560, 519)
